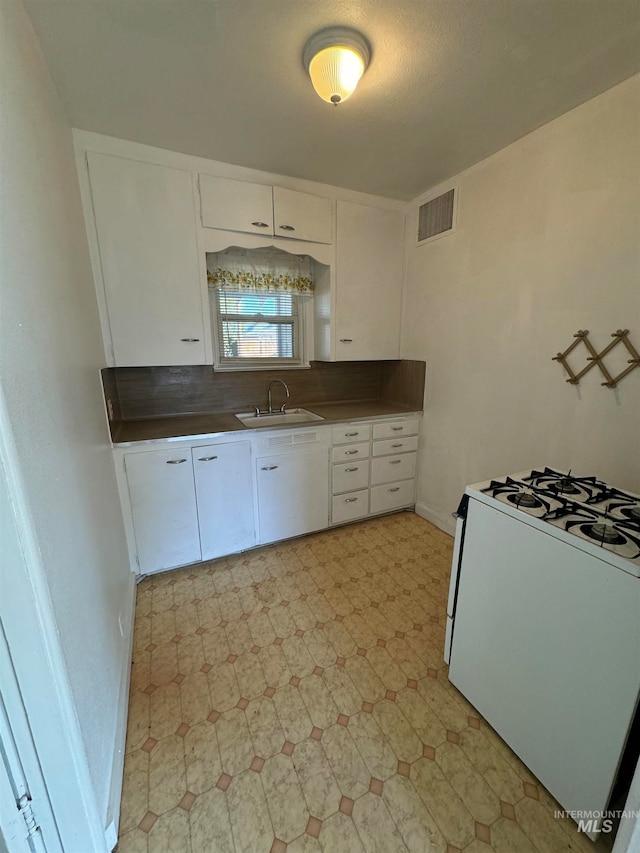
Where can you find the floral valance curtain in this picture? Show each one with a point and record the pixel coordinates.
(260, 271)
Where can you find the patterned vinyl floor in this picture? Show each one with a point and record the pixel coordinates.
(295, 698)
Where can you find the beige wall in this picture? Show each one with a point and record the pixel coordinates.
(51, 352)
(547, 242)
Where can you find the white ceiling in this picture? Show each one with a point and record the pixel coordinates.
(450, 81)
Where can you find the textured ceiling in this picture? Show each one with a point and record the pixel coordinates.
(450, 81)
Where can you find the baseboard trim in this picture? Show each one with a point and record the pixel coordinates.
(446, 523)
(117, 767)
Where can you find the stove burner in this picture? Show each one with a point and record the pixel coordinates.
(566, 486)
(524, 499)
(632, 512)
(603, 532)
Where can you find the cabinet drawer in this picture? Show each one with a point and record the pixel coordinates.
(349, 476)
(350, 506)
(350, 452)
(401, 444)
(389, 468)
(350, 433)
(389, 429)
(392, 496)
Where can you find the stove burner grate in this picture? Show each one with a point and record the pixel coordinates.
(603, 532)
(524, 499)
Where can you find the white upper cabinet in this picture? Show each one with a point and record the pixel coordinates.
(232, 205)
(302, 216)
(236, 205)
(145, 224)
(370, 246)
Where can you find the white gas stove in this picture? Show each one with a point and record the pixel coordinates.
(543, 624)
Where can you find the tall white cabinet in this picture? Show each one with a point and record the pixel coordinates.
(369, 261)
(146, 232)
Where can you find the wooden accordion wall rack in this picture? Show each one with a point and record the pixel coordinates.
(597, 358)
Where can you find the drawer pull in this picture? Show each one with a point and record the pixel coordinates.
(260, 224)
(287, 227)
(269, 467)
(351, 434)
(207, 458)
(395, 489)
(398, 444)
(175, 461)
(397, 429)
(350, 500)
(351, 452)
(190, 340)
(351, 470)
(395, 461)
(346, 340)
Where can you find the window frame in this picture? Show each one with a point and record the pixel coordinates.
(301, 322)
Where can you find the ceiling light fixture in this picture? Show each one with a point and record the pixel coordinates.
(336, 59)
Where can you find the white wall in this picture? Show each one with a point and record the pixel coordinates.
(547, 242)
(51, 353)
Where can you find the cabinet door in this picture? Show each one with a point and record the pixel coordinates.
(302, 216)
(236, 205)
(163, 506)
(293, 493)
(224, 492)
(147, 238)
(370, 245)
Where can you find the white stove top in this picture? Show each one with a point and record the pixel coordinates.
(584, 511)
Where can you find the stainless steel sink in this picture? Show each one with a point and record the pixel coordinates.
(289, 416)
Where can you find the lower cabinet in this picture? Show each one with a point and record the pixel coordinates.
(293, 493)
(163, 509)
(224, 494)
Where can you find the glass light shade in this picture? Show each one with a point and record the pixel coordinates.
(335, 72)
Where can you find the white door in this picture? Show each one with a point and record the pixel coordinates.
(163, 507)
(224, 492)
(293, 493)
(302, 216)
(147, 237)
(370, 245)
(236, 205)
(26, 818)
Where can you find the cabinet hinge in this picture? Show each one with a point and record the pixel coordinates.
(137, 561)
(124, 464)
(24, 807)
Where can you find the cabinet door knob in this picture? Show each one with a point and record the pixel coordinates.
(398, 444)
(350, 470)
(395, 489)
(260, 224)
(397, 429)
(175, 461)
(395, 461)
(190, 340)
(346, 340)
(351, 452)
(350, 500)
(269, 467)
(287, 227)
(207, 458)
(350, 434)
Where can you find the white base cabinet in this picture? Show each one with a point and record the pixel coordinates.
(293, 493)
(191, 500)
(163, 509)
(224, 495)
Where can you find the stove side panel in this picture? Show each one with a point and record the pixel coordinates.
(546, 646)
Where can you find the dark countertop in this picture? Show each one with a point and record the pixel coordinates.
(197, 426)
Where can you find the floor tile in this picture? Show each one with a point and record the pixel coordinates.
(299, 690)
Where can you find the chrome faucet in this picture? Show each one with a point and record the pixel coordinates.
(286, 390)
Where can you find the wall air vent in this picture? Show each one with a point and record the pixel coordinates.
(436, 216)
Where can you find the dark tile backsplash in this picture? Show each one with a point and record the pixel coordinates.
(149, 392)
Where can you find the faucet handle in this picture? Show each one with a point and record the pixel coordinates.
(283, 408)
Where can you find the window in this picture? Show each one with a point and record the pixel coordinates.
(261, 302)
(258, 329)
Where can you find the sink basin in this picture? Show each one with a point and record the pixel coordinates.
(290, 416)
